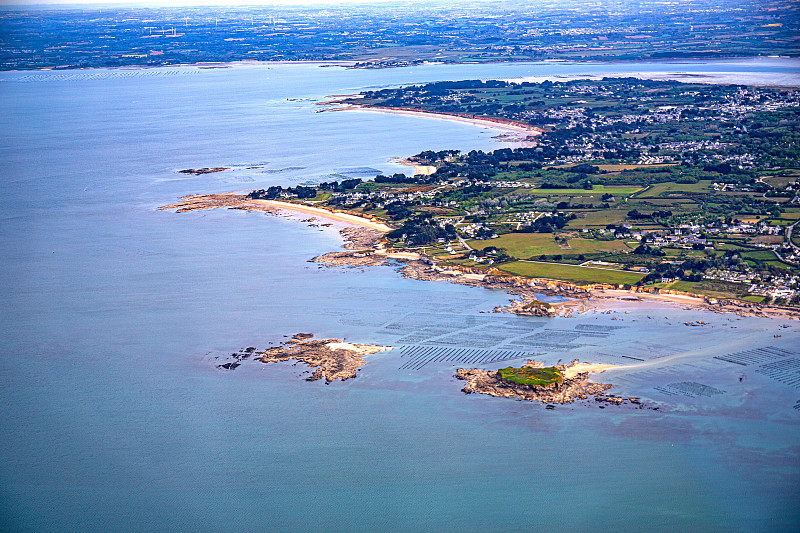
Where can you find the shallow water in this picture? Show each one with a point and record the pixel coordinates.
(115, 314)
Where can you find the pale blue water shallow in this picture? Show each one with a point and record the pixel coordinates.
(114, 416)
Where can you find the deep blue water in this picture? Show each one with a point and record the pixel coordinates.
(115, 417)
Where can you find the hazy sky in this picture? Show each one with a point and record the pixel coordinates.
(165, 3)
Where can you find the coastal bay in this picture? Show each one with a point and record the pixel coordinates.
(117, 417)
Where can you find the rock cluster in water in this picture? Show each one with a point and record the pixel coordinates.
(332, 358)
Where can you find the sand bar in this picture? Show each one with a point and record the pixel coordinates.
(579, 368)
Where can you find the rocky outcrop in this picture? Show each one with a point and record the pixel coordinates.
(194, 202)
(332, 358)
(531, 308)
(360, 238)
(351, 259)
(567, 391)
(204, 170)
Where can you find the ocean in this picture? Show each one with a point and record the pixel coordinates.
(115, 416)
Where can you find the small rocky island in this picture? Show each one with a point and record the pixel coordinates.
(332, 358)
(535, 382)
(204, 170)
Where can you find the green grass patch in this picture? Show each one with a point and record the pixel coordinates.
(616, 168)
(531, 376)
(525, 245)
(671, 187)
(754, 298)
(587, 246)
(720, 245)
(713, 288)
(522, 244)
(321, 196)
(779, 264)
(596, 189)
(759, 255)
(600, 219)
(572, 273)
(779, 181)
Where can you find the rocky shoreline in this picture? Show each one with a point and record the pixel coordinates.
(416, 266)
(570, 389)
(360, 238)
(586, 297)
(365, 249)
(195, 202)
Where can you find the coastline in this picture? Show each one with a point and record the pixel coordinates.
(507, 126)
(209, 64)
(367, 252)
(325, 213)
(708, 78)
(234, 200)
(419, 170)
(350, 63)
(583, 298)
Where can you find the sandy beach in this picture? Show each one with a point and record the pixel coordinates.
(234, 200)
(498, 124)
(361, 349)
(324, 213)
(419, 170)
(591, 368)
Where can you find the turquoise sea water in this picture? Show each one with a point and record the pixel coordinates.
(115, 417)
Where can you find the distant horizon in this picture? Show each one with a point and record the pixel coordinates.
(210, 3)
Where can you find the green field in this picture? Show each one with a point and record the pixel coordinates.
(585, 246)
(531, 376)
(524, 245)
(715, 289)
(660, 189)
(721, 245)
(596, 189)
(600, 218)
(616, 168)
(571, 273)
(759, 255)
(780, 264)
